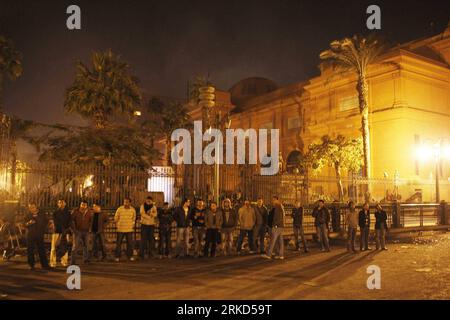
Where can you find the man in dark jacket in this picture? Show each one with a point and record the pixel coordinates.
(61, 225)
(381, 227)
(36, 223)
(81, 225)
(229, 222)
(197, 216)
(364, 227)
(181, 217)
(165, 219)
(321, 221)
(100, 220)
(260, 229)
(213, 221)
(297, 215)
(276, 237)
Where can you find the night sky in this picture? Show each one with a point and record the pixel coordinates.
(168, 42)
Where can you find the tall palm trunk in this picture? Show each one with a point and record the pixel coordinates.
(363, 95)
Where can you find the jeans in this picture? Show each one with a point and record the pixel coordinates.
(147, 240)
(364, 238)
(98, 242)
(381, 237)
(199, 234)
(165, 241)
(182, 241)
(80, 239)
(259, 233)
(276, 239)
(59, 249)
(322, 235)
(227, 240)
(129, 239)
(298, 231)
(212, 238)
(351, 238)
(36, 242)
(242, 234)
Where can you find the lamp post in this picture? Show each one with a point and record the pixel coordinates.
(207, 103)
(438, 151)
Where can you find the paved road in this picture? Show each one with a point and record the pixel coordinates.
(416, 270)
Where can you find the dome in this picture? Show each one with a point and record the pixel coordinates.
(249, 88)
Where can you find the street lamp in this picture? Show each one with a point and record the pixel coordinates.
(438, 151)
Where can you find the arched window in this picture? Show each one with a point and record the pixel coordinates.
(293, 161)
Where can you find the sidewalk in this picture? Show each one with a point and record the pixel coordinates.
(417, 269)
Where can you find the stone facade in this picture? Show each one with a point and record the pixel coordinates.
(409, 103)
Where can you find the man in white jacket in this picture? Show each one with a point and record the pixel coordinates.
(125, 219)
(149, 216)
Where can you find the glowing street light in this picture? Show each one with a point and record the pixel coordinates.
(437, 151)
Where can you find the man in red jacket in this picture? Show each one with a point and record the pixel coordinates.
(81, 225)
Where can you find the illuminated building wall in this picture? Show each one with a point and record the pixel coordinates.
(409, 103)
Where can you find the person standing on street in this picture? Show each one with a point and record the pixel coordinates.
(297, 215)
(260, 229)
(197, 216)
(100, 220)
(247, 220)
(381, 227)
(364, 227)
(229, 223)
(81, 225)
(181, 217)
(213, 221)
(322, 219)
(125, 219)
(149, 216)
(61, 224)
(165, 219)
(351, 220)
(278, 223)
(36, 223)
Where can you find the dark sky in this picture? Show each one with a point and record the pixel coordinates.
(167, 42)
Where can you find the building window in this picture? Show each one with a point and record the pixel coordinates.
(293, 123)
(348, 103)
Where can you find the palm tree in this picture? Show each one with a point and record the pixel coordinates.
(164, 117)
(103, 90)
(10, 63)
(355, 55)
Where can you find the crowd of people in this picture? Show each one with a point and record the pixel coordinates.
(211, 227)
